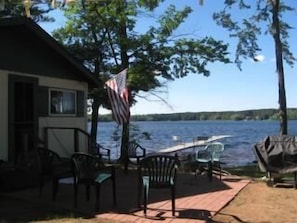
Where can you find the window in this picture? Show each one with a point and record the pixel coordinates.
(62, 102)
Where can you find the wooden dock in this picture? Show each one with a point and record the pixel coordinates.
(195, 143)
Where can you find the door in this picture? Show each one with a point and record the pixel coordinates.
(22, 118)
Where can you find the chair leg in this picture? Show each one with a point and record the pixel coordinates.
(173, 200)
(139, 194)
(196, 171)
(87, 192)
(55, 188)
(98, 189)
(145, 197)
(209, 171)
(114, 191)
(220, 168)
(126, 165)
(217, 165)
(41, 183)
(75, 194)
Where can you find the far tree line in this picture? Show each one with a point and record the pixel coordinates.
(259, 114)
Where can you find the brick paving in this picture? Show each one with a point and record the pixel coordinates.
(197, 199)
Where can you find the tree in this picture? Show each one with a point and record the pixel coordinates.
(35, 9)
(268, 12)
(103, 35)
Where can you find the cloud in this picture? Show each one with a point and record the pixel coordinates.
(259, 58)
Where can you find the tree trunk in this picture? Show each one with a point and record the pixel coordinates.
(125, 64)
(94, 124)
(95, 108)
(279, 69)
(124, 143)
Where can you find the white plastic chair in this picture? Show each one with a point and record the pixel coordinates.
(209, 157)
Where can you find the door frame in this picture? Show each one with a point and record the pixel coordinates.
(12, 81)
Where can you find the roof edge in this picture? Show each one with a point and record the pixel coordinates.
(33, 26)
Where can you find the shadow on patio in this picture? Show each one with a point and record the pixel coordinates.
(196, 199)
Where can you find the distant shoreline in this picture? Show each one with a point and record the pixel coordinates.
(256, 114)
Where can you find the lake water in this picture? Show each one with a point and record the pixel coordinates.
(238, 148)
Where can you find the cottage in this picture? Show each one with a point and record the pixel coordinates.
(43, 92)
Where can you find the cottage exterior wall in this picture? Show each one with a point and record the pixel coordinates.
(61, 141)
(39, 80)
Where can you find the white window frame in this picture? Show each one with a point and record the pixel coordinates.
(58, 102)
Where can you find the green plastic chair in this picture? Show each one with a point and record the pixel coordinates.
(135, 153)
(52, 166)
(157, 171)
(89, 170)
(102, 152)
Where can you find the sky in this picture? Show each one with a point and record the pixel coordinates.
(227, 88)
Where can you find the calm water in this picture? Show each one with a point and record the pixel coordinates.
(238, 148)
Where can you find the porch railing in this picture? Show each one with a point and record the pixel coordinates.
(76, 132)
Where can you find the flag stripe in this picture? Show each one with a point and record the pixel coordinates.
(118, 97)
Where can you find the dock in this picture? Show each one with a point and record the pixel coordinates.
(196, 143)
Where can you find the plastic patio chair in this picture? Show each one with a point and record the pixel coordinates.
(209, 158)
(103, 152)
(52, 166)
(135, 153)
(89, 170)
(157, 171)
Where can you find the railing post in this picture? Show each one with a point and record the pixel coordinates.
(76, 131)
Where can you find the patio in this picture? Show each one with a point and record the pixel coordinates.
(197, 199)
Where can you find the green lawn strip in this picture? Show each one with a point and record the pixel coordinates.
(252, 171)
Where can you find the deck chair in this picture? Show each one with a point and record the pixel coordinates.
(208, 158)
(135, 153)
(103, 152)
(89, 170)
(157, 171)
(52, 166)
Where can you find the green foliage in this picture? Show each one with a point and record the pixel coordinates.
(258, 21)
(171, 20)
(103, 35)
(251, 171)
(38, 10)
(101, 32)
(237, 117)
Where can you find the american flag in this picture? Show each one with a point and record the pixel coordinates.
(118, 95)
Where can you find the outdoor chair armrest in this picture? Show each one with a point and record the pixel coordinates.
(135, 153)
(204, 155)
(102, 152)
